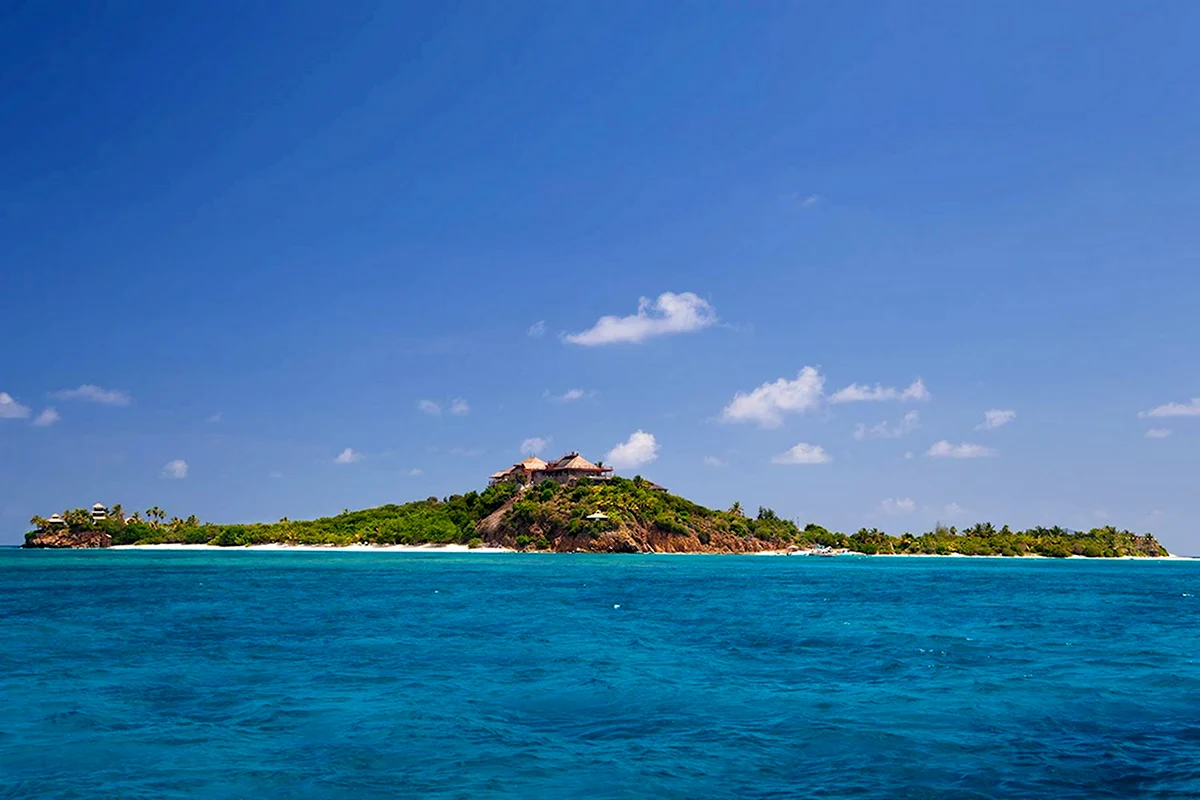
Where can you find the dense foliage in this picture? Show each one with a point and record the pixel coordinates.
(550, 516)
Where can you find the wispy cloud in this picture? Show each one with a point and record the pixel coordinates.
(534, 445)
(996, 417)
(1158, 433)
(569, 396)
(640, 448)
(898, 505)
(429, 407)
(415, 472)
(953, 510)
(713, 461)
(459, 407)
(537, 330)
(11, 409)
(274, 474)
(175, 470)
(348, 456)
(670, 313)
(217, 417)
(1191, 409)
(803, 453)
(885, 430)
(859, 393)
(48, 417)
(95, 394)
(945, 449)
(767, 404)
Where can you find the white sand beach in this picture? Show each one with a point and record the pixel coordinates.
(318, 548)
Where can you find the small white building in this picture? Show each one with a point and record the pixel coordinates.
(99, 512)
(56, 520)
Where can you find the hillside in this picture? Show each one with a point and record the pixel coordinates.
(635, 517)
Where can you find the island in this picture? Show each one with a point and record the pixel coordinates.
(572, 505)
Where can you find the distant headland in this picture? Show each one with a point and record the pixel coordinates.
(574, 505)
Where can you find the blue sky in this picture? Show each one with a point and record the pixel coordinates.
(247, 253)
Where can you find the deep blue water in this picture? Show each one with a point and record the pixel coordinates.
(340, 675)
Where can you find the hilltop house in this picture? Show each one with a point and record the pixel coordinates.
(523, 473)
(568, 469)
(99, 512)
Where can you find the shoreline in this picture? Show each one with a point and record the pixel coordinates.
(462, 548)
(321, 548)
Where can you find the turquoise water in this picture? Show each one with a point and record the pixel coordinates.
(340, 675)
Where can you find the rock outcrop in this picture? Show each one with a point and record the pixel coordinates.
(66, 539)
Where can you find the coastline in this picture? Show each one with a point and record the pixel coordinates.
(321, 548)
(462, 548)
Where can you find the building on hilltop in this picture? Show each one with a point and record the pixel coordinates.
(99, 512)
(568, 469)
(573, 467)
(523, 473)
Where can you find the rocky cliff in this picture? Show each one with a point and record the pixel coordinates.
(63, 538)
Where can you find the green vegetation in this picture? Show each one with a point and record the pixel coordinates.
(637, 517)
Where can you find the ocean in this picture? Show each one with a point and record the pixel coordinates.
(352, 675)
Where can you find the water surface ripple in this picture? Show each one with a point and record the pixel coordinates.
(342, 675)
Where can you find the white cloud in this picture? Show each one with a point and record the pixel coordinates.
(944, 449)
(10, 408)
(803, 454)
(95, 394)
(1100, 514)
(429, 407)
(48, 417)
(713, 461)
(1158, 433)
(177, 469)
(767, 404)
(670, 313)
(908, 456)
(996, 417)
(415, 472)
(883, 430)
(857, 393)
(459, 407)
(810, 201)
(640, 448)
(275, 474)
(898, 505)
(534, 445)
(1191, 409)
(217, 417)
(537, 330)
(348, 456)
(569, 396)
(953, 510)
